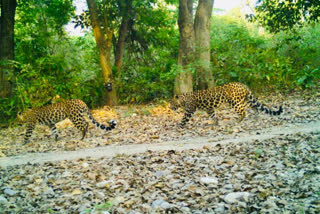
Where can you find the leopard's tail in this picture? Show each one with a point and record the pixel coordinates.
(254, 103)
(112, 123)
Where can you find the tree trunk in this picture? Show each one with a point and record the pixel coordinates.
(104, 47)
(8, 8)
(183, 80)
(202, 37)
(126, 14)
(120, 44)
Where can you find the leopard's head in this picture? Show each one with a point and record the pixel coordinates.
(176, 102)
(23, 116)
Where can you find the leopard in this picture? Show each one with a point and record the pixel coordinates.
(49, 115)
(236, 94)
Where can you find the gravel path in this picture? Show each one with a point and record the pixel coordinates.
(195, 143)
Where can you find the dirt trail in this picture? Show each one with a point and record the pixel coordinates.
(194, 143)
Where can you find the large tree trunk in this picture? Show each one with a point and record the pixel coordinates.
(202, 37)
(183, 80)
(8, 8)
(104, 47)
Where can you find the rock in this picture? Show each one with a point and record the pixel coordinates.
(259, 177)
(3, 200)
(83, 209)
(228, 186)
(220, 209)
(161, 203)
(236, 196)
(242, 204)
(100, 212)
(134, 212)
(100, 195)
(85, 165)
(49, 192)
(240, 176)
(209, 180)
(104, 184)
(185, 209)
(160, 173)
(270, 203)
(120, 210)
(10, 192)
(66, 174)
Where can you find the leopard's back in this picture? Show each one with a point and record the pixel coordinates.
(235, 91)
(54, 113)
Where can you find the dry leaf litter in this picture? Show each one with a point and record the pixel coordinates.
(278, 175)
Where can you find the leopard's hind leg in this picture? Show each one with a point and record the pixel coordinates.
(53, 129)
(80, 123)
(212, 114)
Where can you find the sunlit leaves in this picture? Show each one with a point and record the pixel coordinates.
(282, 15)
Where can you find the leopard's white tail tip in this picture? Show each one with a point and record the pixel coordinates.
(112, 123)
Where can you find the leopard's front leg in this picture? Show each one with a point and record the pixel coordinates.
(28, 134)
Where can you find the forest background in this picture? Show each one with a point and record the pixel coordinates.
(268, 49)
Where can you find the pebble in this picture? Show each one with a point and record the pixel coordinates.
(100, 195)
(236, 196)
(3, 200)
(161, 203)
(185, 209)
(66, 174)
(10, 192)
(134, 212)
(209, 180)
(49, 192)
(160, 173)
(219, 210)
(240, 176)
(228, 186)
(103, 183)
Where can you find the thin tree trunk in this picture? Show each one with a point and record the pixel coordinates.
(202, 38)
(183, 80)
(8, 8)
(104, 47)
(120, 44)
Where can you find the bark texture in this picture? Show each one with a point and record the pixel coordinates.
(126, 8)
(120, 44)
(8, 8)
(183, 80)
(104, 46)
(202, 38)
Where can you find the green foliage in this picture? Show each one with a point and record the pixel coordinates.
(278, 15)
(153, 80)
(281, 61)
(47, 62)
(147, 67)
(69, 72)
